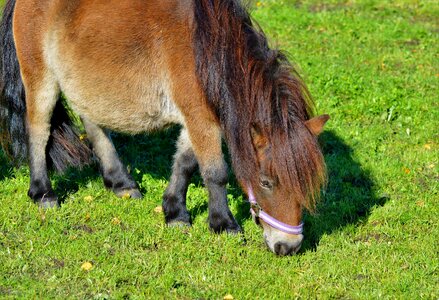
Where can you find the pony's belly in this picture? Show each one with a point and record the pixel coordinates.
(147, 112)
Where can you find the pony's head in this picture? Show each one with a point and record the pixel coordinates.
(290, 172)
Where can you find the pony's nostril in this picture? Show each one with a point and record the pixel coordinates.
(283, 249)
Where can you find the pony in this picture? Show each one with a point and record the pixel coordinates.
(137, 66)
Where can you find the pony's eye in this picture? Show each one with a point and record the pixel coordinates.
(266, 184)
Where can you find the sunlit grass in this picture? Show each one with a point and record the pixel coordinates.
(373, 66)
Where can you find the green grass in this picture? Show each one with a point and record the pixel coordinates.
(373, 66)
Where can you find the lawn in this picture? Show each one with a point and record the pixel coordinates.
(373, 66)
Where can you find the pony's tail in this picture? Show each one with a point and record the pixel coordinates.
(65, 146)
(12, 101)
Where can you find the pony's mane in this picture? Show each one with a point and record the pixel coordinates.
(248, 85)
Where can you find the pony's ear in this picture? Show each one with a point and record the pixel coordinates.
(260, 142)
(315, 125)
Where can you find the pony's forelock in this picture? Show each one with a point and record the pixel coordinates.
(283, 103)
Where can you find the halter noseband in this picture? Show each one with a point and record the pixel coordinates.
(257, 212)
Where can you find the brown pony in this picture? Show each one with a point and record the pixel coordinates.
(136, 66)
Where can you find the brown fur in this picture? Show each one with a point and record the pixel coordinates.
(136, 66)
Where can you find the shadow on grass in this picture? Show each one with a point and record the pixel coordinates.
(348, 198)
(150, 154)
(6, 168)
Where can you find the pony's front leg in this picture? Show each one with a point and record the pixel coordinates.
(206, 142)
(114, 172)
(41, 98)
(174, 198)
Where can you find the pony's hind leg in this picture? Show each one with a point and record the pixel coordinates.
(174, 198)
(114, 172)
(41, 98)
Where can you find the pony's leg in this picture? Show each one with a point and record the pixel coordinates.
(114, 172)
(206, 142)
(41, 98)
(174, 198)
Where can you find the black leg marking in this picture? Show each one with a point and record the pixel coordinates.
(114, 172)
(118, 179)
(40, 189)
(43, 97)
(220, 216)
(41, 192)
(174, 198)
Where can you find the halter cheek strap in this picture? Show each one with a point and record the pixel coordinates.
(257, 212)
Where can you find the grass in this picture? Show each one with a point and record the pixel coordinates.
(373, 66)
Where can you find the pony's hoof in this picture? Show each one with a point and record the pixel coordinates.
(178, 223)
(234, 231)
(229, 227)
(129, 193)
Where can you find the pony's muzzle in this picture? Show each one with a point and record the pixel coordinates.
(281, 243)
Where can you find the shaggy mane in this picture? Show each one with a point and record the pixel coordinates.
(247, 85)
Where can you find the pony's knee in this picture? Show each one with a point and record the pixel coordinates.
(185, 163)
(215, 174)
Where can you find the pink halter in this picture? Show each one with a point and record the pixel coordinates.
(257, 212)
